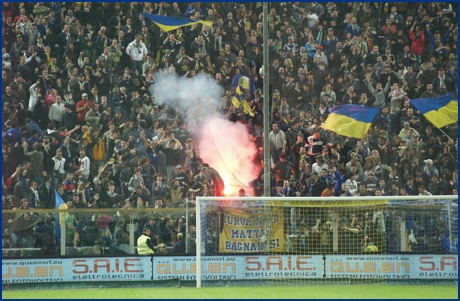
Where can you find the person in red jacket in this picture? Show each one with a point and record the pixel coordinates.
(83, 106)
(417, 41)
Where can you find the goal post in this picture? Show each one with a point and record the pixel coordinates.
(318, 240)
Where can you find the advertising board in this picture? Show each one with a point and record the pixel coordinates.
(77, 269)
(392, 266)
(239, 267)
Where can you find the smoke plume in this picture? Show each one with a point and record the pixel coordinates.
(224, 145)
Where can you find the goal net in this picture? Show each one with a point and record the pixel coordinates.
(298, 241)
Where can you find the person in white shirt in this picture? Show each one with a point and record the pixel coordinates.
(352, 185)
(34, 91)
(319, 165)
(137, 52)
(277, 142)
(59, 162)
(34, 199)
(57, 111)
(84, 164)
(312, 17)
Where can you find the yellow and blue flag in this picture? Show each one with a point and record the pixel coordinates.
(236, 100)
(244, 82)
(173, 23)
(350, 120)
(247, 108)
(439, 111)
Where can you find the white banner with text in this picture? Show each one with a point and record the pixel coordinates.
(76, 269)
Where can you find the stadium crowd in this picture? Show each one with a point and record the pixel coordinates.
(79, 115)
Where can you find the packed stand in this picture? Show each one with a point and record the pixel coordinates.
(79, 116)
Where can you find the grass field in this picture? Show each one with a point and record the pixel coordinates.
(303, 292)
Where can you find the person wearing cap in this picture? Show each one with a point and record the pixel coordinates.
(316, 185)
(320, 57)
(17, 48)
(329, 190)
(137, 52)
(330, 42)
(429, 168)
(371, 184)
(83, 107)
(182, 177)
(291, 46)
(442, 83)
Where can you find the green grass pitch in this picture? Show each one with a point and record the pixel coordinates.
(298, 292)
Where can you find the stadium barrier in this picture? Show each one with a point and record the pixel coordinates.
(406, 260)
(255, 268)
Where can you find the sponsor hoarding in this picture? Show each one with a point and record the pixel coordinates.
(392, 266)
(239, 267)
(78, 269)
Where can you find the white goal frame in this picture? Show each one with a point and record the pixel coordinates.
(322, 199)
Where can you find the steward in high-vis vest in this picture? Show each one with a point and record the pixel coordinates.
(144, 243)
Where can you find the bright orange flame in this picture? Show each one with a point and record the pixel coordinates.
(227, 147)
(228, 190)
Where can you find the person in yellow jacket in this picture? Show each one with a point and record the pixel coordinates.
(144, 243)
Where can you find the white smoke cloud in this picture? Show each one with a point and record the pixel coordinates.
(224, 145)
(186, 93)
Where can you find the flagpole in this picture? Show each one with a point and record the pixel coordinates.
(445, 134)
(266, 103)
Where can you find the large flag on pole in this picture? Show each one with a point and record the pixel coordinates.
(173, 23)
(59, 220)
(350, 120)
(439, 111)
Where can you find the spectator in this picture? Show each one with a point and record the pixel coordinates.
(179, 246)
(308, 66)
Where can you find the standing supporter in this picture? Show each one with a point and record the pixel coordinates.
(83, 107)
(137, 52)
